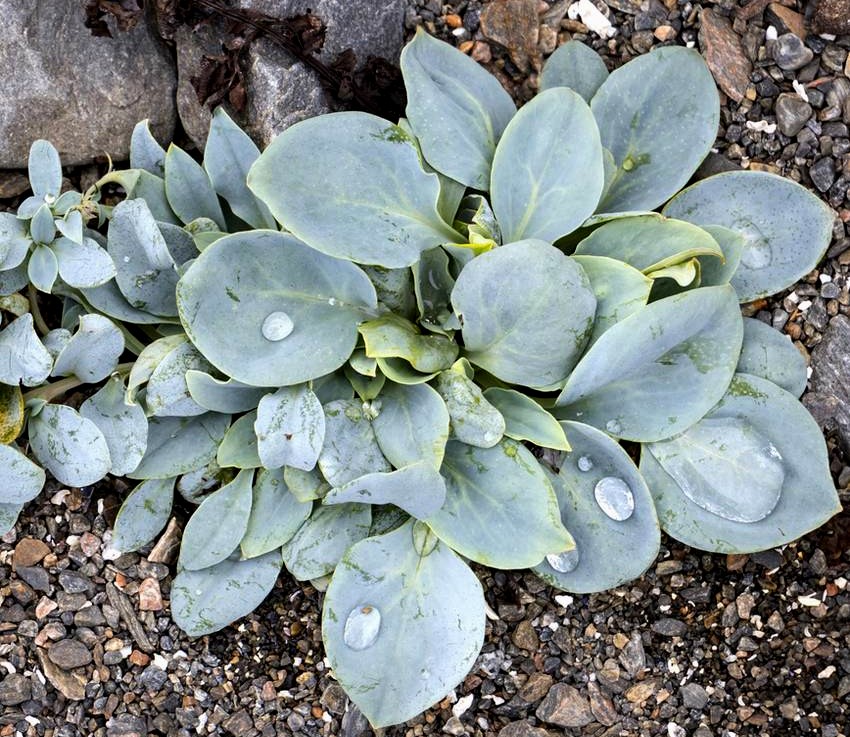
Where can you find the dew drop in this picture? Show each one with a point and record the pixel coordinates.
(277, 326)
(613, 427)
(362, 627)
(564, 562)
(332, 302)
(615, 498)
(584, 463)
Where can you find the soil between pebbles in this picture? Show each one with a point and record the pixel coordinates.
(701, 645)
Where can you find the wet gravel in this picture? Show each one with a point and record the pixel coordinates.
(701, 645)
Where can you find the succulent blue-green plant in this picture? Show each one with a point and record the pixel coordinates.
(378, 352)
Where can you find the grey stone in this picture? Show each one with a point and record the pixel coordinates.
(153, 678)
(693, 696)
(565, 706)
(192, 45)
(74, 583)
(522, 729)
(14, 689)
(669, 627)
(239, 724)
(792, 113)
(89, 616)
(822, 173)
(829, 397)
(790, 53)
(35, 576)
(68, 654)
(633, 657)
(83, 93)
(127, 726)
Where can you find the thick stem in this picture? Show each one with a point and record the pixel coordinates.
(40, 324)
(49, 392)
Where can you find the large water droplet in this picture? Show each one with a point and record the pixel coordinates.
(564, 562)
(362, 627)
(613, 427)
(277, 326)
(757, 254)
(584, 463)
(615, 498)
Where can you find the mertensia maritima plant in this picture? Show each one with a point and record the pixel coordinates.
(377, 352)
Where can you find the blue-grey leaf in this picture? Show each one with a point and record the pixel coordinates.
(350, 449)
(167, 392)
(350, 185)
(42, 226)
(474, 420)
(771, 355)
(188, 188)
(23, 358)
(45, 169)
(548, 172)
(238, 449)
(93, 351)
(14, 241)
(576, 66)
(21, 480)
(607, 507)
(82, 265)
(388, 597)
(456, 109)
(218, 524)
(525, 419)
(217, 395)
(275, 517)
(290, 428)
(42, 269)
(145, 151)
(143, 515)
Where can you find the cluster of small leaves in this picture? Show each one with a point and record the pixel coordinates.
(376, 352)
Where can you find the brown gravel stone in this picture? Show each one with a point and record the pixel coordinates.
(601, 706)
(786, 20)
(30, 551)
(535, 688)
(524, 637)
(514, 25)
(724, 55)
(68, 654)
(833, 16)
(150, 597)
(643, 690)
(565, 706)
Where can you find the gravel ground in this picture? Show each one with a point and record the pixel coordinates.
(701, 645)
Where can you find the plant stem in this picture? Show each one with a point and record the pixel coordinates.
(40, 324)
(49, 392)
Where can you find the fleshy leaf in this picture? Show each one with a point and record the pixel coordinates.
(716, 271)
(222, 396)
(143, 515)
(433, 285)
(787, 229)
(457, 109)
(350, 449)
(525, 419)
(45, 169)
(321, 541)
(350, 185)
(14, 241)
(188, 188)
(268, 311)
(124, 426)
(68, 445)
(661, 369)
(534, 334)
(391, 336)
(413, 425)
(147, 276)
(82, 265)
(177, 445)
(23, 358)
(42, 269)
(9, 516)
(305, 485)
(771, 355)
(228, 155)
(217, 525)
(620, 290)
(418, 489)
(547, 171)
(500, 508)
(597, 476)
(388, 595)
(275, 517)
(807, 498)
(207, 601)
(238, 449)
(145, 151)
(93, 351)
(474, 420)
(21, 480)
(168, 392)
(658, 115)
(290, 428)
(12, 416)
(576, 66)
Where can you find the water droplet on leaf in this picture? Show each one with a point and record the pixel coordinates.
(615, 498)
(277, 326)
(362, 627)
(564, 562)
(584, 463)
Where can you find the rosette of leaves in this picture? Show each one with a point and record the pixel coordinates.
(478, 335)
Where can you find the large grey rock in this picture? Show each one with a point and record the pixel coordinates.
(84, 94)
(829, 397)
(282, 91)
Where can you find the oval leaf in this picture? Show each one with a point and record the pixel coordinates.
(217, 395)
(609, 550)
(143, 515)
(457, 109)
(239, 447)
(290, 428)
(474, 420)
(23, 358)
(82, 265)
(786, 228)
(93, 351)
(771, 355)
(527, 420)
(661, 369)
(656, 147)
(350, 449)
(576, 66)
(351, 186)
(275, 517)
(547, 171)
(21, 480)
(500, 509)
(248, 286)
(386, 597)
(188, 188)
(544, 316)
(168, 393)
